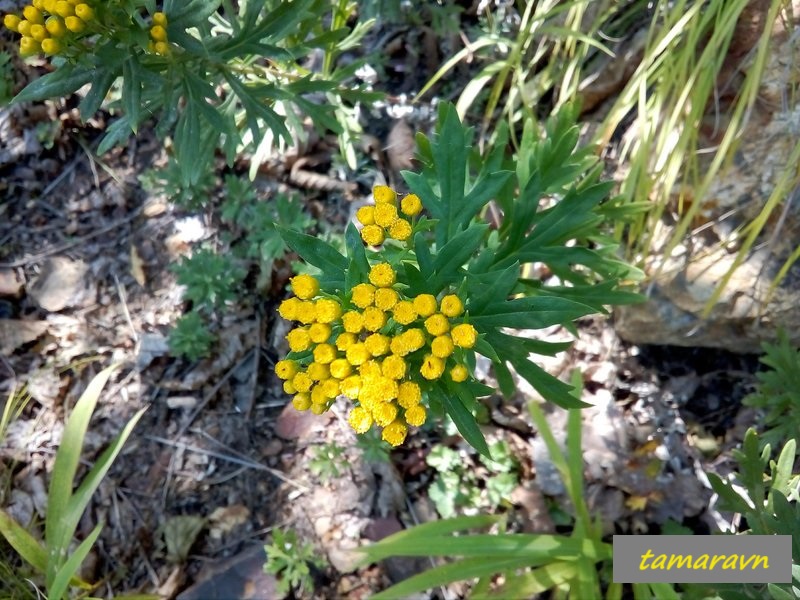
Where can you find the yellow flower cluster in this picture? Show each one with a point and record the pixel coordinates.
(158, 34)
(383, 220)
(373, 350)
(46, 25)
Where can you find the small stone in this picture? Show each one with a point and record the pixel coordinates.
(10, 287)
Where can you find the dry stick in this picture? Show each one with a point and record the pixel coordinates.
(244, 462)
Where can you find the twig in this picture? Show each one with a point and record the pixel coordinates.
(123, 298)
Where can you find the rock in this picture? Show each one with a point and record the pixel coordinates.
(10, 287)
(15, 333)
(61, 284)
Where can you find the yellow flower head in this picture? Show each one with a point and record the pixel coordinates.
(442, 346)
(33, 15)
(464, 335)
(385, 298)
(299, 340)
(399, 345)
(370, 369)
(411, 205)
(451, 306)
(318, 395)
(400, 230)
(409, 394)
(73, 23)
(357, 354)
(459, 373)
(415, 415)
(324, 353)
(85, 13)
(11, 22)
(317, 409)
(319, 332)
(38, 32)
(302, 382)
(374, 318)
(366, 215)
(385, 215)
(159, 18)
(415, 339)
(340, 368)
(302, 401)
(306, 312)
(382, 275)
(404, 312)
(425, 305)
(286, 369)
(28, 45)
(327, 310)
(50, 6)
(377, 344)
(393, 367)
(353, 321)
(158, 33)
(351, 386)
(318, 371)
(395, 433)
(288, 387)
(55, 25)
(373, 235)
(384, 194)
(384, 413)
(330, 387)
(363, 295)
(437, 324)
(432, 367)
(305, 286)
(360, 419)
(345, 340)
(65, 9)
(162, 48)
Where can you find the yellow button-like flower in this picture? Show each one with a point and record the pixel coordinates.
(73, 23)
(159, 18)
(324, 353)
(377, 344)
(386, 298)
(353, 321)
(65, 9)
(395, 433)
(400, 230)
(55, 25)
(399, 345)
(373, 235)
(459, 373)
(374, 318)
(24, 28)
(357, 354)
(451, 306)
(302, 402)
(370, 369)
(288, 387)
(360, 419)
(330, 387)
(464, 335)
(86, 13)
(162, 48)
(393, 367)
(33, 15)
(411, 205)
(382, 275)
(385, 215)
(158, 33)
(351, 386)
(319, 332)
(38, 32)
(345, 340)
(437, 324)
(340, 368)
(318, 395)
(409, 394)
(302, 382)
(50, 6)
(286, 369)
(327, 310)
(366, 215)
(363, 295)
(415, 415)
(384, 194)
(404, 312)
(442, 346)
(306, 312)
(384, 413)
(415, 338)
(305, 286)
(432, 367)
(11, 22)
(29, 46)
(299, 340)
(425, 305)
(318, 371)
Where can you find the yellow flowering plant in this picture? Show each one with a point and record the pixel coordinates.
(410, 306)
(215, 74)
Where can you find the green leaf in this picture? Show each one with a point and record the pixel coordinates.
(530, 313)
(23, 542)
(457, 250)
(187, 144)
(538, 581)
(551, 389)
(358, 268)
(455, 402)
(132, 90)
(61, 82)
(58, 588)
(316, 252)
(102, 80)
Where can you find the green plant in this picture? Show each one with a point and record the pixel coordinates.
(211, 279)
(326, 460)
(373, 448)
(190, 337)
(458, 485)
(193, 195)
(290, 560)
(778, 392)
(65, 507)
(6, 78)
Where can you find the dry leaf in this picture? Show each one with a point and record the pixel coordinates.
(15, 333)
(137, 267)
